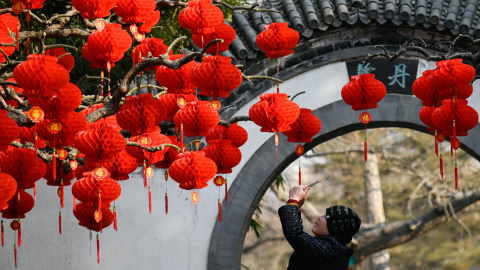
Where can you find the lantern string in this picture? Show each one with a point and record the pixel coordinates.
(74, 203)
(454, 138)
(276, 146)
(90, 237)
(54, 165)
(102, 74)
(278, 74)
(365, 150)
(299, 172)
(28, 29)
(62, 202)
(456, 171)
(35, 190)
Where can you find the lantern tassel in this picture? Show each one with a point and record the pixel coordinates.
(74, 203)
(54, 171)
(35, 142)
(181, 137)
(226, 191)
(98, 248)
(19, 233)
(441, 165)
(35, 190)
(60, 222)
(219, 210)
(456, 176)
(436, 143)
(150, 199)
(3, 235)
(145, 184)
(454, 131)
(15, 254)
(365, 151)
(166, 203)
(62, 201)
(115, 218)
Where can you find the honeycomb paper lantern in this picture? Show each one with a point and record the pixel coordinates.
(304, 128)
(154, 139)
(425, 115)
(71, 125)
(59, 175)
(9, 130)
(222, 31)
(152, 20)
(192, 170)
(93, 9)
(67, 61)
(274, 112)
(28, 135)
(224, 154)
(452, 78)
(423, 89)
(465, 117)
(200, 17)
(154, 46)
(134, 11)
(85, 214)
(237, 135)
(176, 81)
(58, 107)
(216, 76)
(171, 103)
(197, 118)
(23, 165)
(87, 188)
(91, 56)
(8, 186)
(9, 23)
(20, 204)
(277, 40)
(363, 92)
(122, 165)
(111, 120)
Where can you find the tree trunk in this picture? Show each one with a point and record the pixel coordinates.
(374, 209)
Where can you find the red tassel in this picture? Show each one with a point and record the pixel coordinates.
(454, 132)
(99, 201)
(19, 233)
(166, 203)
(62, 201)
(35, 143)
(456, 176)
(3, 235)
(98, 248)
(74, 204)
(181, 137)
(436, 143)
(219, 211)
(35, 190)
(15, 252)
(54, 166)
(441, 165)
(60, 222)
(150, 200)
(115, 218)
(299, 176)
(145, 174)
(365, 149)
(226, 191)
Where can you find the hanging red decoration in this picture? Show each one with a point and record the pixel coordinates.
(171, 103)
(119, 168)
(71, 125)
(20, 204)
(304, 128)
(154, 139)
(30, 4)
(23, 165)
(40, 76)
(176, 81)
(192, 170)
(465, 117)
(452, 78)
(235, 133)
(216, 76)
(200, 17)
(59, 106)
(277, 40)
(363, 92)
(222, 31)
(8, 186)
(224, 154)
(197, 118)
(100, 142)
(93, 9)
(67, 60)
(9, 24)
(170, 156)
(84, 212)
(88, 188)
(137, 11)
(152, 20)
(56, 181)
(154, 46)
(274, 112)
(9, 130)
(91, 56)
(141, 114)
(28, 135)
(423, 89)
(8, 50)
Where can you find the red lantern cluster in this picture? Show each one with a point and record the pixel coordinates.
(192, 170)
(93, 9)
(236, 134)
(59, 106)
(66, 129)
(150, 139)
(304, 128)
(463, 116)
(173, 102)
(134, 11)
(154, 46)
(176, 81)
(222, 31)
(277, 40)
(200, 17)
(216, 76)
(197, 118)
(274, 112)
(224, 154)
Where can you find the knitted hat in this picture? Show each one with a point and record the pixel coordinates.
(342, 223)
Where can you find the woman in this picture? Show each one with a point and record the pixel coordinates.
(327, 250)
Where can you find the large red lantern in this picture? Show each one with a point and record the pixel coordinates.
(151, 139)
(192, 170)
(8, 186)
(453, 78)
(137, 11)
(455, 118)
(67, 61)
(170, 156)
(71, 125)
(20, 204)
(85, 213)
(216, 76)
(197, 118)
(9, 130)
(274, 112)
(88, 188)
(141, 113)
(304, 128)
(176, 81)
(40, 76)
(277, 40)
(23, 165)
(363, 92)
(100, 142)
(149, 22)
(200, 17)
(58, 107)
(154, 46)
(224, 154)
(93, 9)
(8, 50)
(222, 31)
(235, 133)
(171, 102)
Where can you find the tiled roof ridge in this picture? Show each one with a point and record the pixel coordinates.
(309, 16)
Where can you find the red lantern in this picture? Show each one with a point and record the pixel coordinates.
(9, 24)
(67, 61)
(59, 175)
(171, 103)
(71, 125)
(224, 154)
(192, 170)
(222, 31)
(216, 76)
(197, 118)
(120, 168)
(93, 9)
(304, 128)
(100, 142)
(363, 92)
(58, 107)
(137, 11)
(277, 40)
(28, 135)
(465, 117)
(40, 76)
(235, 133)
(30, 4)
(88, 188)
(170, 156)
(141, 114)
(85, 213)
(154, 46)
(8, 50)
(91, 56)
(8, 186)
(274, 112)
(452, 78)
(423, 89)
(425, 115)
(36, 114)
(20, 204)
(153, 139)
(23, 165)
(219, 181)
(9, 130)
(149, 22)
(200, 17)
(176, 81)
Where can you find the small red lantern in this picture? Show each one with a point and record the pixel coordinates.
(156, 139)
(225, 155)
(36, 114)
(274, 112)
(363, 92)
(277, 40)
(219, 180)
(171, 103)
(137, 11)
(304, 128)
(192, 170)
(149, 22)
(73, 165)
(67, 61)
(200, 17)
(176, 81)
(197, 118)
(71, 125)
(54, 127)
(93, 9)
(222, 31)
(84, 212)
(237, 135)
(62, 154)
